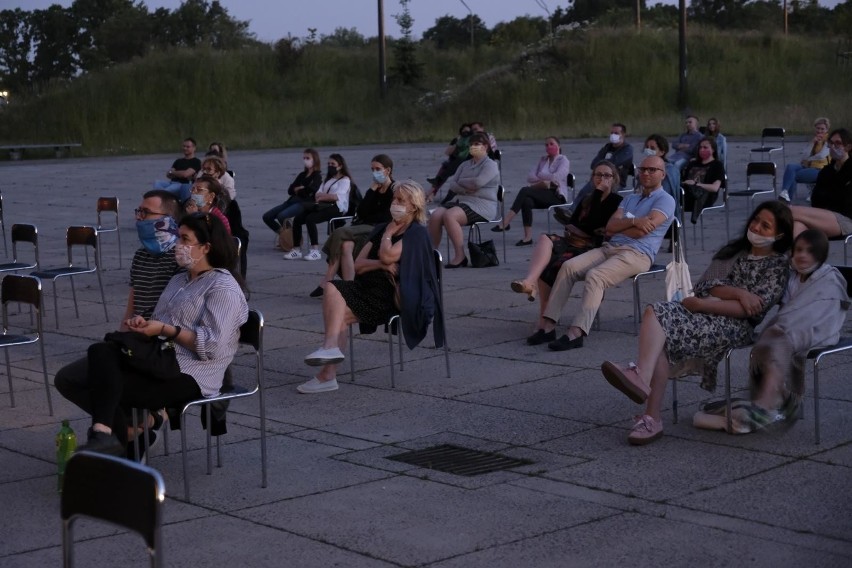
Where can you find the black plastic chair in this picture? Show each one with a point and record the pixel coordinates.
(753, 170)
(22, 233)
(108, 205)
(76, 237)
(771, 140)
(23, 290)
(117, 491)
(393, 326)
(723, 204)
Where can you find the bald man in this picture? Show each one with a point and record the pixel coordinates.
(636, 231)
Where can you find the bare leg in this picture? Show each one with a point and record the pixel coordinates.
(507, 219)
(330, 272)
(653, 364)
(347, 263)
(815, 218)
(337, 317)
(454, 219)
(436, 223)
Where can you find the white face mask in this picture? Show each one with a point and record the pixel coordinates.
(614, 138)
(649, 152)
(837, 153)
(803, 271)
(183, 256)
(760, 241)
(398, 211)
(309, 163)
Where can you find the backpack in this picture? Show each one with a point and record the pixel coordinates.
(355, 199)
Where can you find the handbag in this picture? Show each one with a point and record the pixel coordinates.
(483, 255)
(285, 235)
(678, 281)
(150, 355)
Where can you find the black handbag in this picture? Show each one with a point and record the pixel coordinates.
(150, 355)
(483, 255)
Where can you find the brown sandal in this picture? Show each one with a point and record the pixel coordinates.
(521, 287)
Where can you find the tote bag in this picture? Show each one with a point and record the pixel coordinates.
(678, 281)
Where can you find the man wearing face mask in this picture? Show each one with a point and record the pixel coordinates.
(618, 151)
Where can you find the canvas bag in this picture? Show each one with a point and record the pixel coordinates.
(285, 235)
(678, 281)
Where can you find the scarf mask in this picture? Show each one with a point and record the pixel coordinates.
(158, 236)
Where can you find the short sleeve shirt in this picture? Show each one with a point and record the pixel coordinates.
(638, 206)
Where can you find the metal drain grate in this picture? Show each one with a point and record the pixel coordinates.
(459, 461)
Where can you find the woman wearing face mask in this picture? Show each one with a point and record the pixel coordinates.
(475, 185)
(457, 152)
(201, 310)
(745, 279)
(702, 179)
(331, 200)
(345, 243)
(301, 191)
(813, 310)
(214, 166)
(547, 186)
(208, 196)
(831, 199)
(394, 274)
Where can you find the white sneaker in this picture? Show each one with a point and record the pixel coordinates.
(314, 254)
(322, 357)
(784, 196)
(294, 254)
(315, 386)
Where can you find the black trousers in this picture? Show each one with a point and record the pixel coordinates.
(310, 219)
(529, 199)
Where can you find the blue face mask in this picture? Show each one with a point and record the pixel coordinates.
(379, 176)
(157, 236)
(199, 200)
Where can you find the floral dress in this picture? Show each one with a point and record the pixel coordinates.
(706, 337)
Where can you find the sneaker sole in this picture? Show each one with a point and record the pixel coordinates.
(316, 391)
(319, 361)
(616, 378)
(646, 440)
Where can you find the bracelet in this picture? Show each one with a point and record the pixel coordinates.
(177, 332)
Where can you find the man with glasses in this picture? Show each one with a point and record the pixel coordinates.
(636, 231)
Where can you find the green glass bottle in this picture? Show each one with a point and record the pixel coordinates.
(66, 443)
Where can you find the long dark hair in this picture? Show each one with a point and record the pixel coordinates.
(783, 226)
(208, 228)
(344, 169)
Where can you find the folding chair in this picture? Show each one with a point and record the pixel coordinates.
(3, 225)
(569, 182)
(394, 326)
(337, 222)
(846, 240)
(753, 170)
(629, 187)
(117, 491)
(23, 290)
(251, 335)
(108, 205)
(75, 236)
(24, 234)
(771, 140)
(723, 204)
(654, 269)
(475, 228)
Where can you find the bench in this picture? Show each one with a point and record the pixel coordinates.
(16, 151)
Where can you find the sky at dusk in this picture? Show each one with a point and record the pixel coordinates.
(273, 19)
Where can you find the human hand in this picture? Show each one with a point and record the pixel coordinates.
(644, 224)
(751, 303)
(147, 327)
(693, 304)
(688, 182)
(392, 269)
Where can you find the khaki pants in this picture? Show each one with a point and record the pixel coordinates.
(600, 268)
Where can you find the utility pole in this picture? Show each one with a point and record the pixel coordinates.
(543, 5)
(471, 21)
(383, 78)
(638, 16)
(785, 17)
(681, 36)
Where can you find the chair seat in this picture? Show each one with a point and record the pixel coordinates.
(766, 149)
(748, 192)
(9, 266)
(844, 343)
(52, 273)
(655, 268)
(9, 340)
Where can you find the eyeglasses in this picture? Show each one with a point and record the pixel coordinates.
(648, 170)
(600, 175)
(199, 189)
(836, 143)
(142, 213)
(208, 171)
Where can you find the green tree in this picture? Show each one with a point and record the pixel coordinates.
(16, 43)
(592, 10)
(55, 37)
(405, 69)
(344, 37)
(522, 30)
(449, 32)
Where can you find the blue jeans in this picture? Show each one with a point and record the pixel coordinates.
(274, 218)
(797, 173)
(181, 190)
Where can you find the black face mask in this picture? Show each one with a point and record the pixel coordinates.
(332, 171)
(465, 133)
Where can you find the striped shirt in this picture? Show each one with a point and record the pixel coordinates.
(214, 307)
(149, 275)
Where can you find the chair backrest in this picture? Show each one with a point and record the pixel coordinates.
(107, 204)
(23, 289)
(238, 244)
(82, 235)
(677, 235)
(355, 199)
(771, 132)
(22, 232)
(251, 332)
(570, 181)
(761, 169)
(114, 490)
(846, 272)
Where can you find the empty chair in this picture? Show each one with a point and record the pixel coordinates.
(721, 204)
(23, 290)
(76, 237)
(117, 491)
(761, 179)
(108, 205)
(24, 234)
(771, 140)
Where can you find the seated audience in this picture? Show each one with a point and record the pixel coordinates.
(657, 145)
(456, 152)
(618, 151)
(201, 310)
(395, 274)
(636, 231)
(714, 131)
(584, 232)
(220, 150)
(475, 185)
(301, 192)
(208, 196)
(492, 142)
(813, 310)
(330, 201)
(702, 179)
(547, 186)
(214, 166)
(687, 143)
(745, 279)
(345, 243)
(831, 199)
(182, 172)
(814, 158)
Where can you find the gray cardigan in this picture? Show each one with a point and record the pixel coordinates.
(475, 185)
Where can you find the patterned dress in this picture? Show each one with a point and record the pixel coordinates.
(706, 337)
